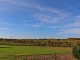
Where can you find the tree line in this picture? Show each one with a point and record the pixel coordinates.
(37, 42)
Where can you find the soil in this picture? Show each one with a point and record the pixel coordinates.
(61, 56)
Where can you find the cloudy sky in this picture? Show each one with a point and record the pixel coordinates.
(39, 18)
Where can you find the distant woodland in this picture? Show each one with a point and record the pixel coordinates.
(41, 42)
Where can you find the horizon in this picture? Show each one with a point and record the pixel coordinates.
(39, 19)
(41, 38)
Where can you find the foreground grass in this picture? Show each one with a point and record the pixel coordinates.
(6, 50)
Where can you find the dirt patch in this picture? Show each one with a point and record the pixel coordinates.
(62, 56)
(62, 48)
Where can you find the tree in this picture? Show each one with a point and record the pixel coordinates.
(49, 42)
(76, 51)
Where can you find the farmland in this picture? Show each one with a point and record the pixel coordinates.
(30, 50)
(9, 48)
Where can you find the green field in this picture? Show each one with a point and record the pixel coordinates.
(6, 50)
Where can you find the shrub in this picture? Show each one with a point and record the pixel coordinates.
(76, 51)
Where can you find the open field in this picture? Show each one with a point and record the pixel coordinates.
(6, 50)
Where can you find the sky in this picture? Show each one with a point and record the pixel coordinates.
(39, 19)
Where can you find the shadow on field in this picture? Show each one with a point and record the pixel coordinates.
(5, 47)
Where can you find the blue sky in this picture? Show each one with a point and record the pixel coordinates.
(39, 18)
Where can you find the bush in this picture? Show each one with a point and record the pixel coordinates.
(76, 51)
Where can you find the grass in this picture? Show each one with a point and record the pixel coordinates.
(6, 50)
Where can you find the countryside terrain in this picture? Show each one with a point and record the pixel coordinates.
(34, 49)
(27, 52)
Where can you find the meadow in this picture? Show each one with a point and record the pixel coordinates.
(6, 50)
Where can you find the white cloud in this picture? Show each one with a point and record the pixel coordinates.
(48, 19)
(70, 25)
(71, 31)
(78, 16)
(34, 25)
(53, 10)
(17, 2)
(70, 28)
(13, 14)
(21, 5)
(3, 28)
(54, 27)
(45, 19)
(5, 23)
(13, 5)
(41, 17)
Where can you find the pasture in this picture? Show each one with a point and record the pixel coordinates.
(6, 50)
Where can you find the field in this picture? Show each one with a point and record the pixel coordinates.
(6, 50)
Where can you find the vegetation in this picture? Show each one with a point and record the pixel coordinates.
(21, 47)
(37, 42)
(6, 50)
(76, 51)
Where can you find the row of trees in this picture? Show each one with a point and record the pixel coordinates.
(44, 42)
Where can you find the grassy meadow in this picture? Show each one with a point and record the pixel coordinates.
(6, 50)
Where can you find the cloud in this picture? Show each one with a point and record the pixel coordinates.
(45, 18)
(17, 3)
(71, 31)
(77, 16)
(21, 5)
(37, 25)
(53, 10)
(71, 25)
(70, 28)
(20, 16)
(37, 6)
(53, 27)
(4, 23)
(3, 9)
(48, 19)
(3, 28)
(41, 18)
(45, 21)
(13, 5)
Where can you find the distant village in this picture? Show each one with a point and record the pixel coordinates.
(69, 42)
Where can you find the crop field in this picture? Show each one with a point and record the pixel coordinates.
(6, 50)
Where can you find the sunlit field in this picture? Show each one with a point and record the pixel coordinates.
(6, 50)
